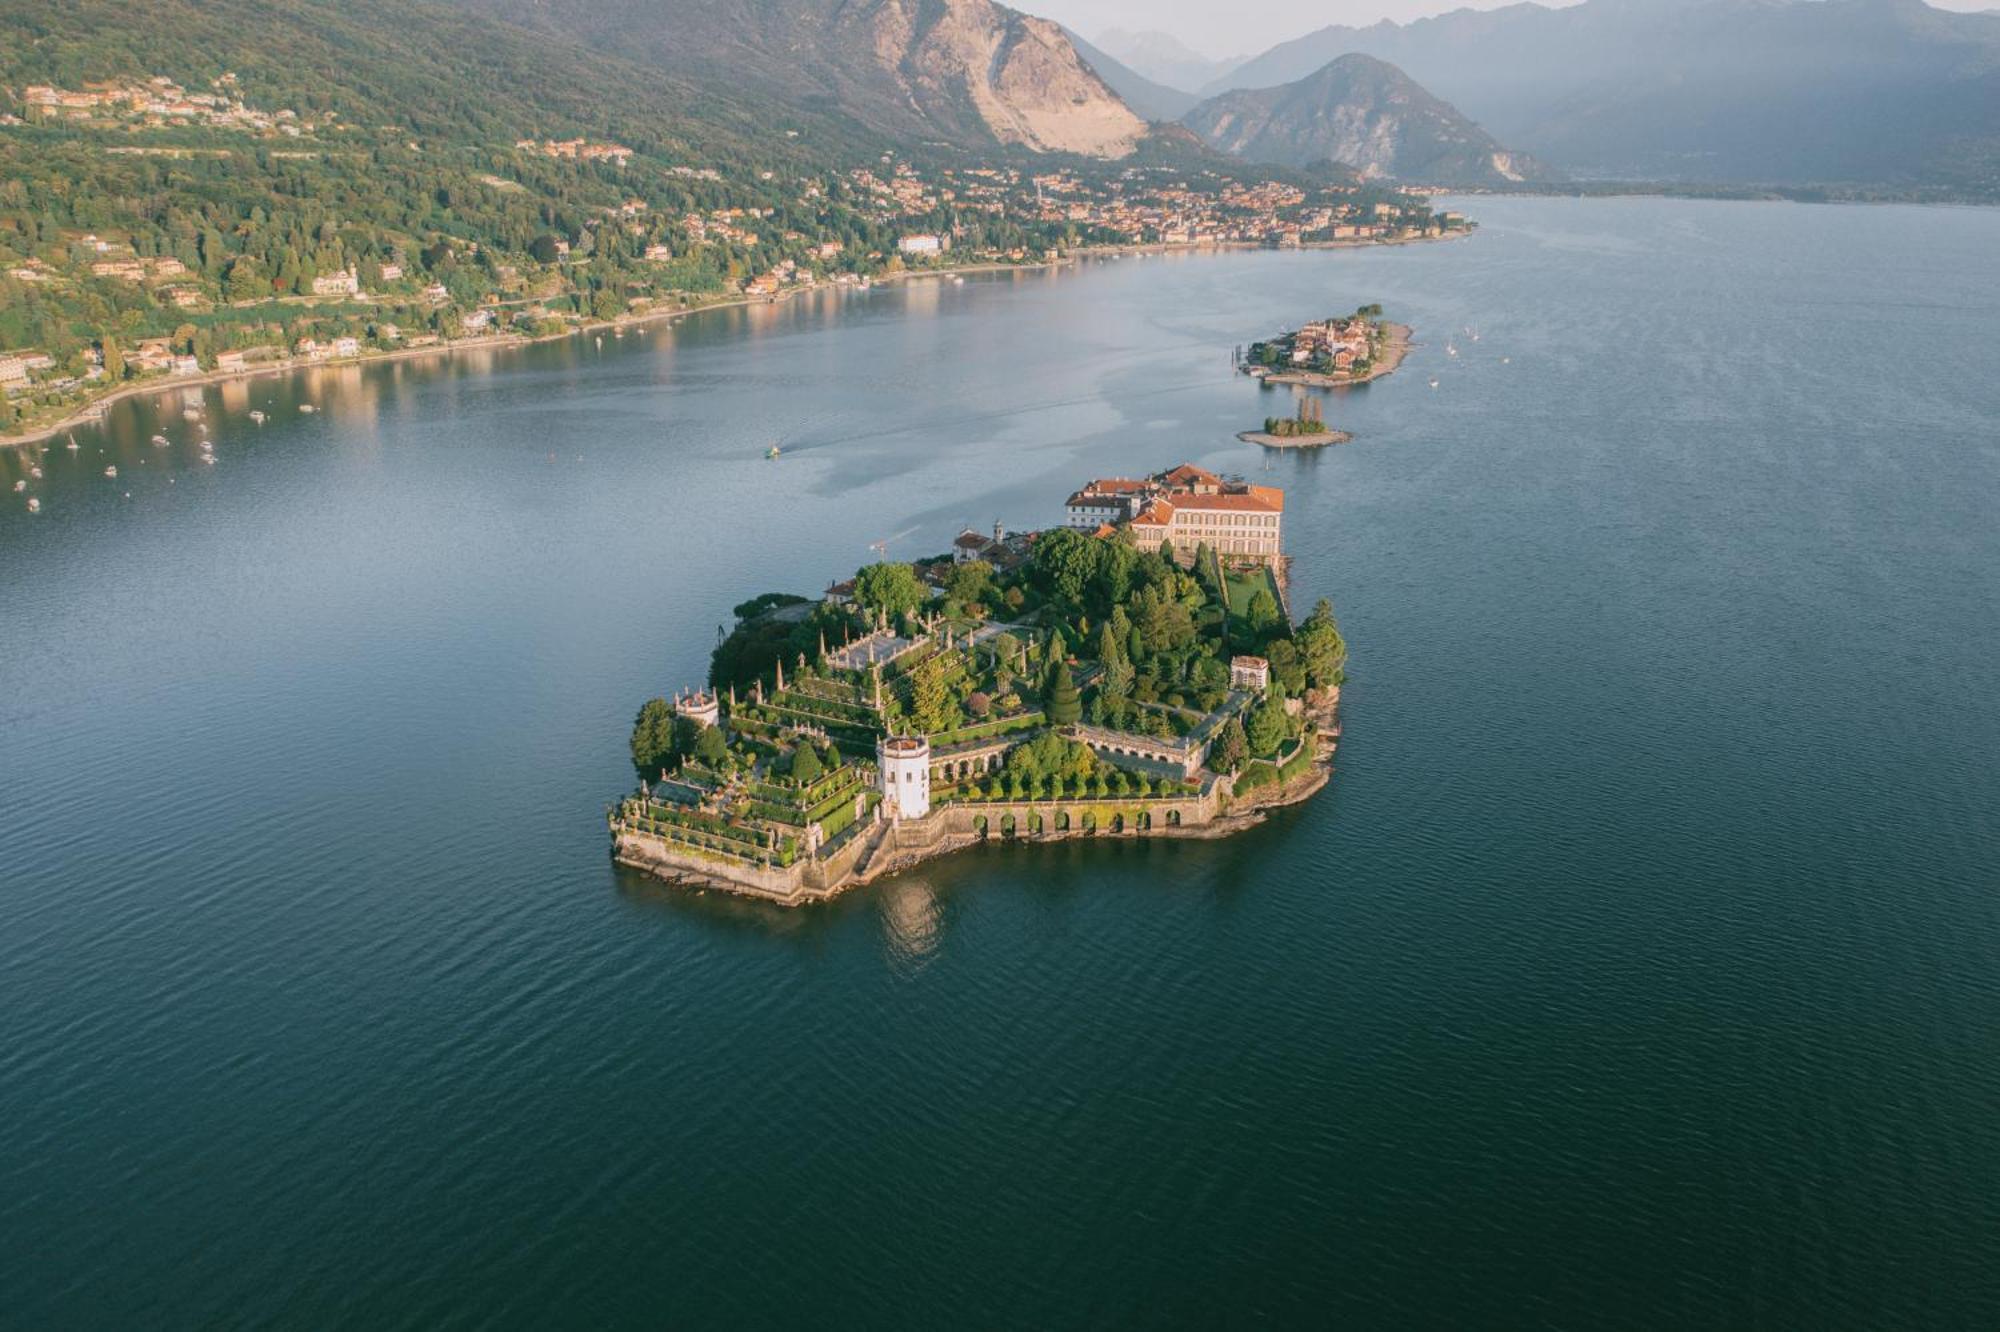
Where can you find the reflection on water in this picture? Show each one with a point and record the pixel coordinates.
(912, 921)
(348, 1019)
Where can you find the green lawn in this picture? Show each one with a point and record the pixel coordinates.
(1245, 584)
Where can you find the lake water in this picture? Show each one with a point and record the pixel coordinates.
(1641, 966)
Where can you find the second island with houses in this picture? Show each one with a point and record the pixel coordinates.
(1132, 672)
(1336, 352)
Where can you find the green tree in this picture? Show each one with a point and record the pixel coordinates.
(931, 708)
(1062, 703)
(893, 588)
(1268, 725)
(1064, 563)
(1163, 625)
(653, 737)
(1261, 615)
(970, 583)
(805, 764)
(1320, 646)
(1287, 667)
(1111, 581)
(710, 748)
(1231, 747)
(114, 361)
(1207, 568)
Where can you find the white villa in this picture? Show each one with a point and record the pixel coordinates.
(1186, 506)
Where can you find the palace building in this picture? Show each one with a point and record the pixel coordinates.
(1187, 506)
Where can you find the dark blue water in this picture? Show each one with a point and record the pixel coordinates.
(1641, 967)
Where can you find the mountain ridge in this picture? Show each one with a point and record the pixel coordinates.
(1366, 114)
(1878, 92)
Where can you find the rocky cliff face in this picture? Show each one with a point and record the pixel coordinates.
(1023, 79)
(1365, 114)
(967, 71)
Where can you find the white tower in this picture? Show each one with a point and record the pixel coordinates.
(699, 706)
(905, 763)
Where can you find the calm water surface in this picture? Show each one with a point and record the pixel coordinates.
(1640, 968)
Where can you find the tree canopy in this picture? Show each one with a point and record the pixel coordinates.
(893, 588)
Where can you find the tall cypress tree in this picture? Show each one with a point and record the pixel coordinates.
(1062, 704)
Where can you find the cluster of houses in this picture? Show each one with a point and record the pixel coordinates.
(577, 150)
(1342, 341)
(1170, 213)
(904, 189)
(160, 102)
(1187, 506)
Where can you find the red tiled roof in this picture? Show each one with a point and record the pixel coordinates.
(1260, 499)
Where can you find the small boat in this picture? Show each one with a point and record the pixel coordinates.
(957, 281)
(111, 472)
(771, 452)
(191, 413)
(35, 472)
(1506, 360)
(1434, 382)
(208, 458)
(1450, 350)
(73, 445)
(20, 486)
(600, 342)
(159, 441)
(34, 505)
(307, 408)
(257, 418)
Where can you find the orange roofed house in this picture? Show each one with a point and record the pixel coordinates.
(1186, 506)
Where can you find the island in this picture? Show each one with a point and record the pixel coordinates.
(1307, 429)
(1336, 352)
(1132, 672)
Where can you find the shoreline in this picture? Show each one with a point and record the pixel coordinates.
(92, 412)
(1319, 441)
(893, 847)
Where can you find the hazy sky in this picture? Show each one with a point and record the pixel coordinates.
(1218, 28)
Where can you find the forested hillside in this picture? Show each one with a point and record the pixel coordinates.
(201, 172)
(187, 187)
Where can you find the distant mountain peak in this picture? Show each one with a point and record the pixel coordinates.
(1890, 93)
(1365, 114)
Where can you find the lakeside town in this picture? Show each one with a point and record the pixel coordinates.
(89, 312)
(1329, 353)
(1132, 671)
